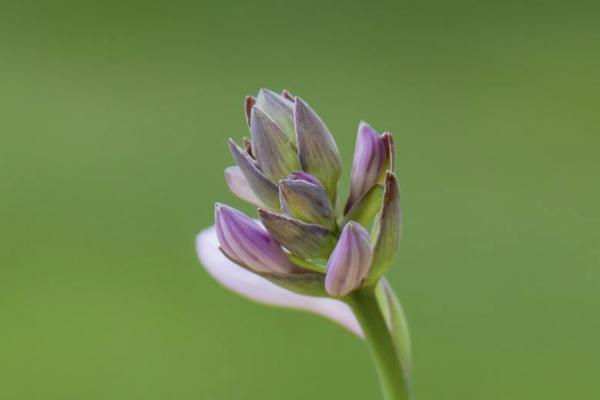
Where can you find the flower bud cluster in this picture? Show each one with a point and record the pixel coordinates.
(289, 170)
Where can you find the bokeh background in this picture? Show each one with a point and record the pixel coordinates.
(113, 122)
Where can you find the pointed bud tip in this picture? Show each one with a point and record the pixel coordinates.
(233, 146)
(286, 94)
(259, 114)
(388, 139)
(249, 103)
(390, 185)
(304, 176)
(364, 124)
(300, 108)
(266, 92)
(390, 178)
(223, 209)
(355, 228)
(299, 103)
(365, 128)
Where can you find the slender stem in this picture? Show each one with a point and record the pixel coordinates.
(378, 337)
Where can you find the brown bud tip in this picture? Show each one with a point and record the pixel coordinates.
(249, 102)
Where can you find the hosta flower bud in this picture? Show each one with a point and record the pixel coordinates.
(261, 186)
(290, 169)
(387, 229)
(280, 109)
(273, 150)
(300, 238)
(349, 262)
(318, 152)
(246, 242)
(306, 200)
(238, 184)
(373, 155)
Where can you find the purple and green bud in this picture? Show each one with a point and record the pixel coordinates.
(290, 170)
(387, 229)
(248, 243)
(308, 241)
(373, 155)
(238, 184)
(349, 262)
(306, 200)
(280, 109)
(261, 186)
(317, 149)
(271, 147)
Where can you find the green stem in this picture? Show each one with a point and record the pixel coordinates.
(392, 377)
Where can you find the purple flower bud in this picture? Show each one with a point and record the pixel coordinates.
(306, 200)
(289, 169)
(246, 242)
(387, 229)
(273, 150)
(279, 108)
(300, 238)
(373, 155)
(239, 186)
(317, 149)
(261, 186)
(350, 261)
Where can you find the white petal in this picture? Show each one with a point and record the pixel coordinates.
(258, 289)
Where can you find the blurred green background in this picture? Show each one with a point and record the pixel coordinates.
(113, 122)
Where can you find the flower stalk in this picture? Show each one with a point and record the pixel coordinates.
(385, 351)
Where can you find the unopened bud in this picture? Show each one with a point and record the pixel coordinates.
(248, 243)
(349, 262)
